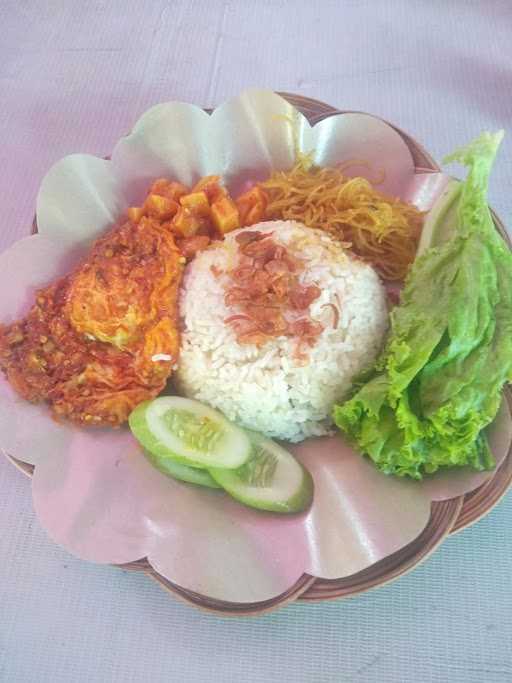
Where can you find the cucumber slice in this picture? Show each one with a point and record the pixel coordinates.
(192, 475)
(270, 480)
(189, 432)
(441, 221)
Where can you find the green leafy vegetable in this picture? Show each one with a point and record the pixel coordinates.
(437, 383)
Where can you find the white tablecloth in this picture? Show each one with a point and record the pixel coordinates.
(74, 77)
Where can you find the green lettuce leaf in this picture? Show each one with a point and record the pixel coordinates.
(438, 382)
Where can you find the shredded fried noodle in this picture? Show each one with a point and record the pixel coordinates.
(381, 230)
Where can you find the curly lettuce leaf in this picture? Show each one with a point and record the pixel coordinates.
(438, 382)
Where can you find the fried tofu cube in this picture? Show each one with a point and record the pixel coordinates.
(176, 190)
(170, 189)
(251, 206)
(196, 202)
(160, 207)
(225, 215)
(135, 213)
(211, 186)
(185, 223)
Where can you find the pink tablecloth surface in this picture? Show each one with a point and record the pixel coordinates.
(75, 76)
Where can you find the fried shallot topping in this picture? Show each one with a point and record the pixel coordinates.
(266, 291)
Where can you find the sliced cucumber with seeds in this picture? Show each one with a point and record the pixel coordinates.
(441, 221)
(176, 470)
(270, 480)
(189, 432)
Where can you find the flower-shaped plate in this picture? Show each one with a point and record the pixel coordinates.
(94, 492)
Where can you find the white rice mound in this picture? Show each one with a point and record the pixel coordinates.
(267, 389)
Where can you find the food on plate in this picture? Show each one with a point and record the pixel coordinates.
(276, 321)
(189, 441)
(272, 479)
(252, 206)
(190, 433)
(270, 299)
(438, 382)
(382, 230)
(177, 470)
(195, 216)
(104, 339)
(101, 340)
